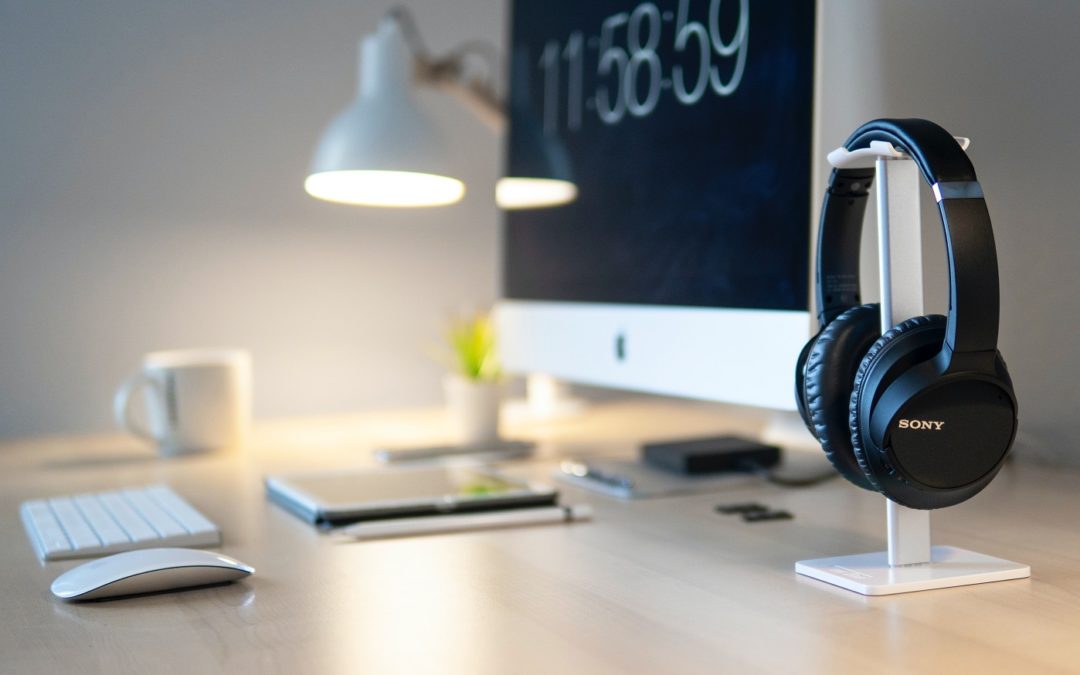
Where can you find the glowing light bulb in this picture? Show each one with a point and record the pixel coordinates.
(533, 193)
(384, 188)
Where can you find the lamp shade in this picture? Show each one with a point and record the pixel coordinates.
(539, 167)
(383, 150)
(538, 172)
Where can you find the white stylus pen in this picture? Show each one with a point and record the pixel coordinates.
(407, 527)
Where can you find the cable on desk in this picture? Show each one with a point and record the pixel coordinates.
(774, 478)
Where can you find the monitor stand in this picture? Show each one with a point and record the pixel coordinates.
(546, 398)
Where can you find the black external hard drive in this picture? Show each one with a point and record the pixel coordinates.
(710, 455)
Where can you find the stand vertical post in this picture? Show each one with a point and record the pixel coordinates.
(900, 242)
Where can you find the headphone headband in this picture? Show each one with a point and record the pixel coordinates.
(969, 240)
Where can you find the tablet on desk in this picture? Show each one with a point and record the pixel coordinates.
(341, 497)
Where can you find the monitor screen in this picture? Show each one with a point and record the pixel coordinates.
(687, 128)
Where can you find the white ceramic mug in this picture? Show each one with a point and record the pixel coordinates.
(195, 399)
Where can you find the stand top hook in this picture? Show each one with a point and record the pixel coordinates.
(842, 158)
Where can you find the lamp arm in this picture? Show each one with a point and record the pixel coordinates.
(477, 96)
(448, 72)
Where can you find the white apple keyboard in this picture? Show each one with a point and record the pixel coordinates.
(100, 523)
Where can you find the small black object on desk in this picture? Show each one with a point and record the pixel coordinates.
(752, 512)
(710, 455)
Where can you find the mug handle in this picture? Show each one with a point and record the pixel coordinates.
(122, 404)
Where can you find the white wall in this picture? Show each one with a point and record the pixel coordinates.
(152, 156)
(1005, 74)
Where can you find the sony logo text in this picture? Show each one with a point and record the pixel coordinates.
(927, 425)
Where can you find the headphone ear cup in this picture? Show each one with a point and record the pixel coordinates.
(800, 389)
(831, 362)
(891, 340)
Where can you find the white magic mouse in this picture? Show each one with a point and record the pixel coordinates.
(146, 571)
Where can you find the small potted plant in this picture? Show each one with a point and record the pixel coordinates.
(473, 388)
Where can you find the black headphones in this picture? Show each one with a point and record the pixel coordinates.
(924, 414)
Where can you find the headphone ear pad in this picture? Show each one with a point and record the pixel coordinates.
(830, 368)
(800, 388)
(887, 342)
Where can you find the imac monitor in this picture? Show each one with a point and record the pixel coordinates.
(682, 267)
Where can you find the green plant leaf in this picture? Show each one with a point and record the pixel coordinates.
(472, 341)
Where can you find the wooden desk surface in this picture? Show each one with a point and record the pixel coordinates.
(659, 586)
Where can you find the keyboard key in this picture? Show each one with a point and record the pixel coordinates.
(136, 528)
(164, 524)
(193, 521)
(108, 531)
(46, 528)
(75, 526)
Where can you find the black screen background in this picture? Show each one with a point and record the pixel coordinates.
(705, 205)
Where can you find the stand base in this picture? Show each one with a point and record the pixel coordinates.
(870, 574)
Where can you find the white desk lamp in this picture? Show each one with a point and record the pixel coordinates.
(384, 151)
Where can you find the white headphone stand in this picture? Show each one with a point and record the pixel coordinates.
(911, 563)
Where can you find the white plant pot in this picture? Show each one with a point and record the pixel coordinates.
(474, 409)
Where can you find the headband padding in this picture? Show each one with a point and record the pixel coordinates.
(939, 156)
